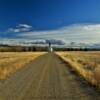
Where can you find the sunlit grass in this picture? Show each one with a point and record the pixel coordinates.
(10, 62)
(87, 64)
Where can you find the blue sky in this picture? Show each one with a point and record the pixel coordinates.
(30, 19)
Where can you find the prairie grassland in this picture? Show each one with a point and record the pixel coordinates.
(87, 64)
(10, 62)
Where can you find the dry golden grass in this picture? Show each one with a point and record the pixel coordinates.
(86, 64)
(10, 62)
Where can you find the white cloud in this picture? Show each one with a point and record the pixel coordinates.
(13, 30)
(20, 28)
(24, 25)
(77, 33)
(84, 33)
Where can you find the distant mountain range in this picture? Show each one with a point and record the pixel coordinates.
(41, 42)
(32, 42)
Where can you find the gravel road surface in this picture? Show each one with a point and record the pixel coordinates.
(46, 78)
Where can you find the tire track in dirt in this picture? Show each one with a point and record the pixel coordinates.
(46, 78)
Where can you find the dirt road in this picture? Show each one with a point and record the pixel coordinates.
(46, 78)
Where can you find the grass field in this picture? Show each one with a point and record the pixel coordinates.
(10, 62)
(87, 64)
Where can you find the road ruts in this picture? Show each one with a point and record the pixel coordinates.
(46, 78)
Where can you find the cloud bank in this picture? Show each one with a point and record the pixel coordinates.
(74, 33)
(79, 33)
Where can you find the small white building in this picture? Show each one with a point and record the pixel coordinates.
(50, 49)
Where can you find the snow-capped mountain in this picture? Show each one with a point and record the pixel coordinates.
(54, 42)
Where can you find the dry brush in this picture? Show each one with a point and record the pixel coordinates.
(10, 62)
(87, 64)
